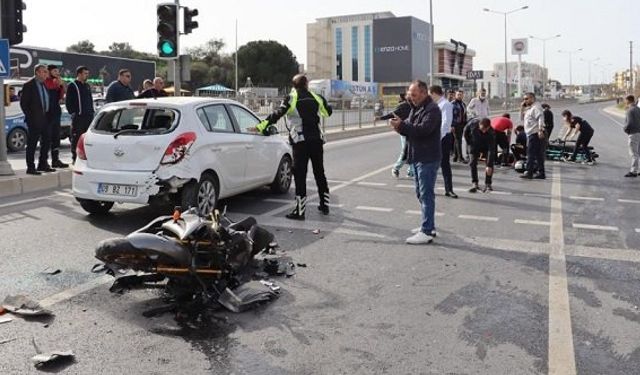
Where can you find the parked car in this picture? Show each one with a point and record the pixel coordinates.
(188, 151)
(15, 126)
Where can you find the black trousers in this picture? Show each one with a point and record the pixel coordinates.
(473, 164)
(302, 153)
(37, 132)
(79, 126)
(54, 125)
(503, 142)
(457, 142)
(535, 154)
(583, 143)
(445, 163)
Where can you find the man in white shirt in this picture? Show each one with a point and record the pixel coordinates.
(479, 106)
(534, 128)
(446, 137)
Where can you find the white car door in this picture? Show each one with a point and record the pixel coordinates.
(261, 156)
(226, 148)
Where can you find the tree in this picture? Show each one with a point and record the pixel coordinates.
(209, 65)
(268, 63)
(83, 46)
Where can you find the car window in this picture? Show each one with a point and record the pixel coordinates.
(215, 118)
(156, 120)
(245, 119)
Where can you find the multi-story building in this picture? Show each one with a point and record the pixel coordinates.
(532, 79)
(622, 79)
(453, 61)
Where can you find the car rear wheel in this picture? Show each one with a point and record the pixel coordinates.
(95, 207)
(202, 195)
(282, 180)
(17, 140)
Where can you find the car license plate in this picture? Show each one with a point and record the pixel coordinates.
(115, 189)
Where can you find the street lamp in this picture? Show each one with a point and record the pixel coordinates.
(603, 67)
(570, 52)
(589, 61)
(544, 61)
(506, 82)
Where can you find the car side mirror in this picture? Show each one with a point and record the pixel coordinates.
(273, 130)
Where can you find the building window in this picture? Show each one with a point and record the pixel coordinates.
(354, 53)
(339, 53)
(367, 53)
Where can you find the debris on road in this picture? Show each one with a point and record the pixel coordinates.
(303, 265)
(23, 305)
(51, 271)
(5, 341)
(127, 282)
(5, 319)
(315, 231)
(278, 266)
(49, 358)
(246, 296)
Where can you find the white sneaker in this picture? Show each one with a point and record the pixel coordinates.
(419, 239)
(418, 229)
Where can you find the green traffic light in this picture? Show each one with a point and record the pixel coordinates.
(167, 48)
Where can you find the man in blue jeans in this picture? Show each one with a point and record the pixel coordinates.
(422, 130)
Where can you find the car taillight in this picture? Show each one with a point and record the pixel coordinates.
(178, 148)
(82, 155)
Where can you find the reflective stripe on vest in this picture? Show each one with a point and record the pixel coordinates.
(294, 100)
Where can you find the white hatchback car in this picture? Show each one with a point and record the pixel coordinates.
(188, 151)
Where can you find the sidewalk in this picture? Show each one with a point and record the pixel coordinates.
(22, 183)
(615, 111)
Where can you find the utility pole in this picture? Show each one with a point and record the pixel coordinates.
(432, 53)
(631, 82)
(176, 62)
(236, 58)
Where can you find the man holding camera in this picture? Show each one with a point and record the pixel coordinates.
(534, 127)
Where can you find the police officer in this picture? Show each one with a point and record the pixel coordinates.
(302, 108)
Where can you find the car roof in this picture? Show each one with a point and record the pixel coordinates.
(173, 101)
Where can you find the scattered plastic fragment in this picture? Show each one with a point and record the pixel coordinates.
(246, 296)
(315, 231)
(23, 305)
(5, 319)
(48, 358)
(51, 271)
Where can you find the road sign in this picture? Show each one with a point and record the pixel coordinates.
(519, 46)
(5, 64)
(475, 74)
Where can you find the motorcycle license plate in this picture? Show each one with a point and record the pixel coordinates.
(116, 189)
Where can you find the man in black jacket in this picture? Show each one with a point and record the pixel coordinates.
(459, 121)
(482, 141)
(402, 111)
(422, 129)
(34, 102)
(632, 128)
(120, 90)
(79, 103)
(302, 108)
(156, 91)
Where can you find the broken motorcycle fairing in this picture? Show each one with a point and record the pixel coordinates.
(199, 254)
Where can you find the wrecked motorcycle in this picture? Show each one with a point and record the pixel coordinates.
(203, 258)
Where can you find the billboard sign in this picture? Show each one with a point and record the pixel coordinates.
(519, 46)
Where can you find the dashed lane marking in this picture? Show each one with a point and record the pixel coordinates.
(501, 192)
(629, 201)
(532, 222)
(375, 209)
(578, 198)
(595, 227)
(335, 205)
(72, 292)
(419, 213)
(406, 186)
(359, 233)
(480, 218)
(637, 230)
(537, 195)
(364, 183)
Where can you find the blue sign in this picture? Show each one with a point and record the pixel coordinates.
(5, 65)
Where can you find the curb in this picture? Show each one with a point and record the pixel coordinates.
(21, 183)
(613, 111)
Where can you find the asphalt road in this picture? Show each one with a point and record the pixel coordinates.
(536, 277)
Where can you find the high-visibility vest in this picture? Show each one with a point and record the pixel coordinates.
(295, 121)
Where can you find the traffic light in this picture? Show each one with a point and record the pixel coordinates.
(12, 27)
(189, 23)
(168, 32)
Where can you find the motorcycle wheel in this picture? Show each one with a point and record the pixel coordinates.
(119, 251)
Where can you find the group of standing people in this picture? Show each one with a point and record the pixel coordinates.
(40, 102)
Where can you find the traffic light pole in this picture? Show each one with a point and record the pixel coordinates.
(5, 167)
(176, 62)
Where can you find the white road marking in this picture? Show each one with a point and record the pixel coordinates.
(578, 198)
(23, 201)
(561, 352)
(78, 289)
(510, 245)
(359, 233)
(64, 194)
(624, 255)
(406, 186)
(537, 195)
(376, 209)
(419, 213)
(335, 205)
(364, 183)
(602, 112)
(637, 230)
(532, 222)
(629, 201)
(501, 192)
(595, 227)
(480, 218)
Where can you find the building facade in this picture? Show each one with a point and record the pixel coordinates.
(531, 80)
(453, 61)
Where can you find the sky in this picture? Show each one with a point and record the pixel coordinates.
(602, 28)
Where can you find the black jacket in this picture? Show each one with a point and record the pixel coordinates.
(402, 110)
(422, 129)
(308, 109)
(31, 104)
(117, 92)
(459, 113)
(152, 93)
(79, 101)
(585, 127)
(548, 121)
(478, 141)
(632, 120)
